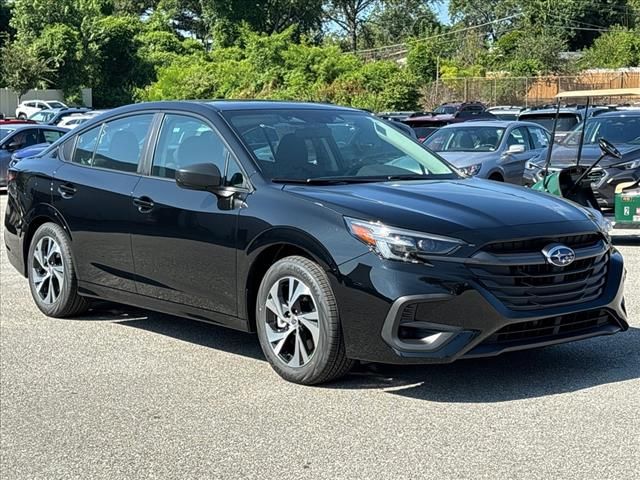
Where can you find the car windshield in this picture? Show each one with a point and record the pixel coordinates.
(314, 145)
(466, 139)
(617, 130)
(42, 116)
(566, 121)
(4, 131)
(447, 110)
(56, 105)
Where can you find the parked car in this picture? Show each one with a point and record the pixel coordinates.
(29, 107)
(448, 113)
(54, 116)
(73, 121)
(568, 117)
(622, 128)
(308, 224)
(497, 149)
(14, 137)
(27, 152)
(505, 112)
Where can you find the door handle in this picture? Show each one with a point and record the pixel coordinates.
(66, 190)
(144, 204)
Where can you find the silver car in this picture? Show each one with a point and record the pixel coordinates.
(493, 149)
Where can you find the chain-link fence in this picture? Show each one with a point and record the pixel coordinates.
(525, 91)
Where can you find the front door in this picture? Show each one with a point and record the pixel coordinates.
(513, 163)
(93, 189)
(184, 241)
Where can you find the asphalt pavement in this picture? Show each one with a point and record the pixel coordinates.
(123, 393)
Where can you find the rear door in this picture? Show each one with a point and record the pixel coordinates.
(184, 241)
(92, 190)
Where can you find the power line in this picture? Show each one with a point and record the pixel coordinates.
(439, 35)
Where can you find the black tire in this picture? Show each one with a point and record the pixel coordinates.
(496, 177)
(22, 116)
(68, 303)
(328, 360)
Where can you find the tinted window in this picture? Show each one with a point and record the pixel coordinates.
(121, 143)
(4, 131)
(566, 121)
(539, 138)
(67, 148)
(50, 136)
(25, 138)
(186, 141)
(85, 146)
(55, 105)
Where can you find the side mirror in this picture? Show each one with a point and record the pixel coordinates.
(199, 176)
(517, 148)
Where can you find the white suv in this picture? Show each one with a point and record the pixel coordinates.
(29, 107)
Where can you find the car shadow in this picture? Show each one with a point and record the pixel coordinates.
(512, 376)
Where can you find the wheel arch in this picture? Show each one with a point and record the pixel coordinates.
(43, 213)
(267, 249)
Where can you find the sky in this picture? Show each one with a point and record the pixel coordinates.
(442, 9)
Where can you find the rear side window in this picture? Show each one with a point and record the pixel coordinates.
(85, 146)
(186, 141)
(50, 136)
(121, 143)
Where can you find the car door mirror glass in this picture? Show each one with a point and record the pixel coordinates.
(517, 148)
(199, 176)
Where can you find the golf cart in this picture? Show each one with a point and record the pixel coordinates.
(574, 182)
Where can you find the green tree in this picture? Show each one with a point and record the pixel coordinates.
(116, 69)
(350, 16)
(61, 45)
(22, 69)
(617, 48)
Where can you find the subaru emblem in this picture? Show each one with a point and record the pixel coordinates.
(559, 255)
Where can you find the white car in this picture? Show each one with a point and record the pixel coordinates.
(29, 107)
(72, 121)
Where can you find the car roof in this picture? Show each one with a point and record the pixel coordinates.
(620, 113)
(490, 123)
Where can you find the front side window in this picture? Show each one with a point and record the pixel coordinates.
(328, 145)
(186, 141)
(43, 116)
(85, 146)
(518, 136)
(539, 137)
(4, 131)
(465, 139)
(121, 143)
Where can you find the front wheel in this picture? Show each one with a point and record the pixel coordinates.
(298, 323)
(51, 272)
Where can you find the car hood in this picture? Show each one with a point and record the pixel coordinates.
(464, 159)
(30, 151)
(463, 208)
(563, 157)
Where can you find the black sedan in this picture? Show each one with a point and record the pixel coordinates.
(325, 229)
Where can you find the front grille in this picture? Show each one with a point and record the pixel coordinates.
(537, 244)
(573, 324)
(542, 285)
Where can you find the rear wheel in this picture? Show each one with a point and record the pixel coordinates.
(22, 116)
(51, 272)
(298, 323)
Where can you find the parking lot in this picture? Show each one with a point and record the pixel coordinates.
(125, 393)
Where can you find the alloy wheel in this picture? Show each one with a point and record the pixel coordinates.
(292, 322)
(47, 270)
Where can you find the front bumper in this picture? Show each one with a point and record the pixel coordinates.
(450, 316)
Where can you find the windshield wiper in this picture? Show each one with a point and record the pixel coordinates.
(347, 180)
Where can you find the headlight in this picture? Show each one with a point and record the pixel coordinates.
(398, 244)
(471, 170)
(629, 165)
(604, 225)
